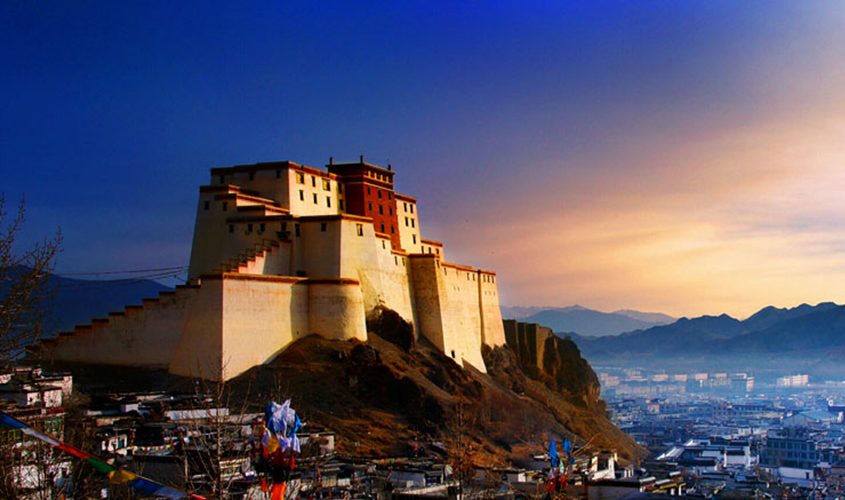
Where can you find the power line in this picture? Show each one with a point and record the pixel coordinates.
(131, 271)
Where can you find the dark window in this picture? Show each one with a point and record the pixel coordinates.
(249, 228)
(379, 194)
(225, 206)
(412, 223)
(252, 176)
(328, 202)
(392, 231)
(453, 354)
(389, 195)
(370, 207)
(261, 228)
(206, 205)
(341, 204)
(405, 203)
(360, 229)
(382, 228)
(323, 226)
(414, 236)
(278, 174)
(296, 229)
(412, 208)
(368, 189)
(339, 187)
(302, 195)
(313, 181)
(380, 210)
(390, 209)
(231, 228)
(315, 198)
(406, 222)
(222, 179)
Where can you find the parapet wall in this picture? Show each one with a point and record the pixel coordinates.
(143, 335)
(260, 316)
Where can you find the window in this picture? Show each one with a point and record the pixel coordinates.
(414, 236)
(406, 222)
(278, 174)
(383, 245)
(249, 228)
(231, 228)
(296, 230)
(368, 190)
(313, 181)
(380, 210)
(412, 208)
(252, 176)
(390, 209)
(395, 260)
(261, 228)
(453, 354)
(382, 228)
(339, 188)
(379, 194)
(370, 206)
(225, 205)
(405, 203)
(328, 201)
(222, 179)
(206, 205)
(389, 195)
(315, 198)
(323, 226)
(391, 229)
(300, 178)
(327, 185)
(341, 205)
(302, 195)
(412, 223)
(359, 228)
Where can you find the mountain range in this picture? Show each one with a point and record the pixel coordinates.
(805, 334)
(77, 301)
(587, 322)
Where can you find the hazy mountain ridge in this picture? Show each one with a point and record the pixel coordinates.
(78, 301)
(586, 322)
(802, 329)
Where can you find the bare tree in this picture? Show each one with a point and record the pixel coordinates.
(24, 295)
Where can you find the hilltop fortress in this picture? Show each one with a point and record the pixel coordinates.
(281, 251)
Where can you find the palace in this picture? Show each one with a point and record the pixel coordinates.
(281, 251)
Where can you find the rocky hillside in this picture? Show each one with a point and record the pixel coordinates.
(387, 395)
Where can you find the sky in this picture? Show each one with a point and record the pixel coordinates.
(680, 157)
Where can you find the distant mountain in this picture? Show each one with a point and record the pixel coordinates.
(771, 315)
(519, 312)
(590, 323)
(79, 301)
(799, 330)
(656, 318)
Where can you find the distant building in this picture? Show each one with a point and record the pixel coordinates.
(793, 381)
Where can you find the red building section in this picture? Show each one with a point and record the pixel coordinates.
(369, 193)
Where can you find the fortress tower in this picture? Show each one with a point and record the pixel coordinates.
(282, 250)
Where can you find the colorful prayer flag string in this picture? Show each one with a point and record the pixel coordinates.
(116, 475)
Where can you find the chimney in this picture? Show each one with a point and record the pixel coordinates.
(389, 166)
(331, 160)
(362, 158)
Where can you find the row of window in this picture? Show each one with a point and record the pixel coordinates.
(411, 205)
(412, 222)
(315, 198)
(327, 184)
(380, 209)
(389, 194)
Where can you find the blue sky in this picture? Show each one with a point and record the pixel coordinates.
(674, 156)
